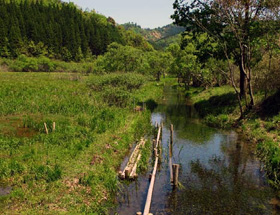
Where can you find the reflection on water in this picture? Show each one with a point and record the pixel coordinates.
(219, 173)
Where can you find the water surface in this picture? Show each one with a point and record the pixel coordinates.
(219, 171)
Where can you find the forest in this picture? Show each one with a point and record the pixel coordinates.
(92, 77)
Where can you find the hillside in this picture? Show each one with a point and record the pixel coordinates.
(58, 30)
(160, 37)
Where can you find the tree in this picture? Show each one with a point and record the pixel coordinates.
(185, 66)
(158, 63)
(63, 28)
(120, 58)
(234, 24)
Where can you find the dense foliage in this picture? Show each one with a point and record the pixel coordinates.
(242, 34)
(59, 30)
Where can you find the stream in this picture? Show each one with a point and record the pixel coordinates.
(219, 171)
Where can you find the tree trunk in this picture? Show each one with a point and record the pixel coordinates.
(243, 82)
(158, 76)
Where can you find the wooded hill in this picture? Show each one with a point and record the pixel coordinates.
(58, 30)
(160, 37)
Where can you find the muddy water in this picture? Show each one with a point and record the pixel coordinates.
(219, 171)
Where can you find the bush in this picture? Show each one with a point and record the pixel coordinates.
(116, 96)
(117, 88)
(220, 121)
(44, 64)
(270, 154)
(127, 81)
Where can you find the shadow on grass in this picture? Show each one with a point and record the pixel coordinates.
(151, 104)
(223, 104)
(270, 107)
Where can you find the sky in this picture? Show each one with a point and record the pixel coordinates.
(147, 13)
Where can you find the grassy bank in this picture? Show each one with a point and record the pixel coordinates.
(44, 64)
(219, 108)
(73, 169)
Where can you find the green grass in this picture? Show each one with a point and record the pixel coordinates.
(72, 170)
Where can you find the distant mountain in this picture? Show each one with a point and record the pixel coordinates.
(160, 37)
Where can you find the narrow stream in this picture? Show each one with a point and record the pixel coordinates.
(219, 171)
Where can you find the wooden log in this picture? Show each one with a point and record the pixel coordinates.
(175, 174)
(170, 149)
(53, 127)
(171, 170)
(161, 129)
(158, 137)
(133, 173)
(121, 175)
(154, 143)
(127, 173)
(132, 161)
(160, 151)
(150, 191)
(171, 133)
(155, 152)
(46, 128)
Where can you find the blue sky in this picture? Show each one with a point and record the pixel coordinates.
(147, 13)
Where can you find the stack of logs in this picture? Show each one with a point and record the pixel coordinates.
(129, 171)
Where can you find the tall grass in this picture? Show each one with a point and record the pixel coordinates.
(73, 168)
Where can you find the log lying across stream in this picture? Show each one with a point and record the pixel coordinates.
(129, 171)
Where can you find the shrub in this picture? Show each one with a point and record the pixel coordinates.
(116, 96)
(127, 81)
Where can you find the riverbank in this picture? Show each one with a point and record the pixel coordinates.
(219, 108)
(218, 174)
(72, 169)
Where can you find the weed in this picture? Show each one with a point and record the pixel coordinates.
(87, 124)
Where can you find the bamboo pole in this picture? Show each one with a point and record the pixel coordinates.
(175, 174)
(170, 154)
(170, 149)
(53, 127)
(133, 171)
(160, 151)
(46, 128)
(161, 129)
(171, 133)
(132, 161)
(151, 188)
(158, 137)
(155, 152)
(170, 170)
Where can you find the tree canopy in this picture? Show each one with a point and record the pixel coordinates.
(235, 26)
